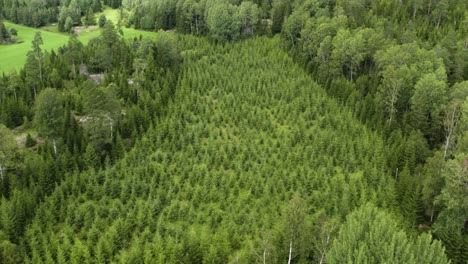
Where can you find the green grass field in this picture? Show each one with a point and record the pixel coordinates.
(13, 57)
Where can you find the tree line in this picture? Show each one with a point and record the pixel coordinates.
(401, 67)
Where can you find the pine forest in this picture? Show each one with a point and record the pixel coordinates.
(231, 131)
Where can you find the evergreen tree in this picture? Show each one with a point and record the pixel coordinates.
(91, 158)
(102, 21)
(370, 236)
(68, 27)
(89, 19)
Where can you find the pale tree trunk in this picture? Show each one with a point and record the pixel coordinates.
(74, 70)
(325, 237)
(265, 241)
(450, 123)
(322, 253)
(1, 172)
(290, 251)
(55, 147)
(111, 123)
(446, 145)
(322, 258)
(40, 72)
(392, 100)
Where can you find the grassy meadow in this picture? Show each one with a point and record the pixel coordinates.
(13, 57)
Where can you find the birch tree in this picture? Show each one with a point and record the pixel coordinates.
(294, 225)
(453, 116)
(49, 116)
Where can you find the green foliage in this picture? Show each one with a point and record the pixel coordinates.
(175, 150)
(4, 34)
(30, 142)
(224, 22)
(48, 116)
(248, 15)
(89, 19)
(370, 236)
(8, 148)
(454, 193)
(102, 20)
(427, 102)
(197, 187)
(280, 10)
(68, 25)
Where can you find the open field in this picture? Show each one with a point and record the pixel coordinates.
(13, 57)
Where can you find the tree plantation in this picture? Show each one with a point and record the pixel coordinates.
(244, 132)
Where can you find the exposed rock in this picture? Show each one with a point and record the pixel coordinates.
(97, 78)
(84, 70)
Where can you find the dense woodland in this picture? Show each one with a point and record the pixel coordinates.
(245, 132)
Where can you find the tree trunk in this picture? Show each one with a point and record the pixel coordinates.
(55, 147)
(450, 123)
(324, 249)
(322, 258)
(40, 69)
(1, 173)
(290, 251)
(74, 70)
(264, 256)
(446, 145)
(111, 128)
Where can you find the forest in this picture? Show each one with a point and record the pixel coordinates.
(265, 131)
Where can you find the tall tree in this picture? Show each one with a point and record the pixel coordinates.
(248, 13)
(371, 236)
(89, 19)
(49, 116)
(429, 97)
(294, 227)
(37, 51)
(8, 148)
(454, 121)
(224, 22)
